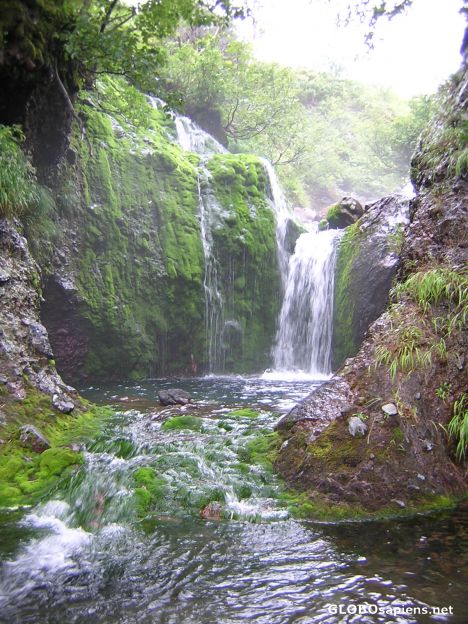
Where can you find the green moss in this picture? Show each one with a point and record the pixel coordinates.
(246, 412)
(26, 476)
(245, 248)
(333, 214)
(183, 422)
(335, 449)
(53, 461)
(262, 450)
(150, 489)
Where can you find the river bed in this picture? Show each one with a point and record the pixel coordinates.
(89, 554)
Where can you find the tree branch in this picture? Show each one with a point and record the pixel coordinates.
(72, 108)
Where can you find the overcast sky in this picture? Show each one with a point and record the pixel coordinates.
(413, 53)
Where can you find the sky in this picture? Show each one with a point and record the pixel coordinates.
(413, 53)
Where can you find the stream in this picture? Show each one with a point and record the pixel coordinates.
(88, 555)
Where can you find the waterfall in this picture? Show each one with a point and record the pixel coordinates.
(305, 325)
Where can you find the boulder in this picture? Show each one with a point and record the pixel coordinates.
(346, 212)
(174, 396)
(33, 439)
(63, 403)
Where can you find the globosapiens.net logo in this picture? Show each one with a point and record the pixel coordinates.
(365, 608)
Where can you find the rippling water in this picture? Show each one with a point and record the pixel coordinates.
(86, 557)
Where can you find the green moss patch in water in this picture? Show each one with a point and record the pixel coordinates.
(183, 422)
(246, 412)
(261, 450)
(150, 489)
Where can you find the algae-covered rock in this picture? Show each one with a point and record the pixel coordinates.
(346, 212)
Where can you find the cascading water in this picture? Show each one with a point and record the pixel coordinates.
(305, 326)
(193, 139)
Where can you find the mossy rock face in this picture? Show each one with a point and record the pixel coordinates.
(53, 461)
(244, 245)
(129, 296)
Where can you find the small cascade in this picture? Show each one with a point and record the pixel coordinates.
(283, 216)
(192, 138)
(305, 326)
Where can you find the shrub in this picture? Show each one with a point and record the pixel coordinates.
(18, 189)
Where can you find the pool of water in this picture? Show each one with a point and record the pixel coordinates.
(89, 554)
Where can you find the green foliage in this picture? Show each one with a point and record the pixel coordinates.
(443, 391)
(435, 285)
(18, 189)
(405, 353)
(458, 426)
(256, 103)
(120, 38)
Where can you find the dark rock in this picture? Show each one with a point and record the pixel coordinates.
(293, 231)
(33, 439)
(174, 396)
(344, 213)
(63, 403)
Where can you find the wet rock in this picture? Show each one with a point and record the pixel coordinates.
(390, 409)
(63, 403)
(322, 406)
(4, 278)
(356, 427)
(33, 439)
(40, 340)
(174, 396)
(212, 511)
